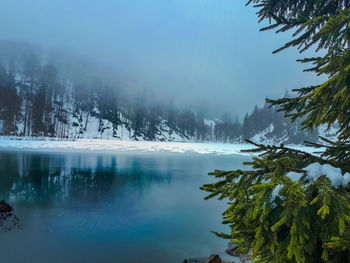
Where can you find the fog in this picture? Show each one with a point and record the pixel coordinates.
(195, 52)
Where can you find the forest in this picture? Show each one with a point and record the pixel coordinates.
(39, 98)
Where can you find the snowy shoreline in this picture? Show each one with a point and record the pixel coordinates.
(48, 144)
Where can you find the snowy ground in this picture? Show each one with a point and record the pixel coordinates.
(119, 145)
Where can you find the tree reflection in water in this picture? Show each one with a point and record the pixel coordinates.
(50, 180)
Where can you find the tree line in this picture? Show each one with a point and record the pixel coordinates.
(36, 99)
(39, 99)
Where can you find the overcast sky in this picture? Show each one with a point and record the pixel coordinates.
(196, 51)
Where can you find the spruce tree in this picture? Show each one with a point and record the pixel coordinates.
(10, 102)
(293, 206)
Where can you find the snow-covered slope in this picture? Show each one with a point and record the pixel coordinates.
(89, 127)
(104, 129)
(268, 136)
(85, 126)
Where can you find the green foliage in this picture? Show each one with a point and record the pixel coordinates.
(328, 29)
(272, 217)
(306, 222)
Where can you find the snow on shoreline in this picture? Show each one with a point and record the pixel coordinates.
(125, 146)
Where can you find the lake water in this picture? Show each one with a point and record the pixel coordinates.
(115, 207)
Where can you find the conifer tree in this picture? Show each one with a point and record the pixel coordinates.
(293, 206)
(10, 102)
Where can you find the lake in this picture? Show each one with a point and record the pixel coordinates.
(111, 207)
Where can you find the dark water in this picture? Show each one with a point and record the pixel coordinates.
(129, 207)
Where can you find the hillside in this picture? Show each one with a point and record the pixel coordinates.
(42, 96)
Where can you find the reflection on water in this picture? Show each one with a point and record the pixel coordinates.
(110, 208)
(48, 180)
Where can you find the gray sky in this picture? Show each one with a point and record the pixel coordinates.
(195, 51)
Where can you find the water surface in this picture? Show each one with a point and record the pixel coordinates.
(115, 207)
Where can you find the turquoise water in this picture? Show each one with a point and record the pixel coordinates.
(123, 207)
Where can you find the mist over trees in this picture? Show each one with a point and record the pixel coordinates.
(43, 98)
(273, 124)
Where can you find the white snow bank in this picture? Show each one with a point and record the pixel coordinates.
(47, 144)
(118, 145)
(315, 170)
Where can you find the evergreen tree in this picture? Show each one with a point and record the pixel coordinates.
(38, 110)
(294, 206)
(171, 116)
(30, 80)
(187, 123)
(137, 117)
(246, 127)
(107, 105)
(153, 121)
(10, 102)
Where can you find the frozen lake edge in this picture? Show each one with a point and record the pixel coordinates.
(111, 146)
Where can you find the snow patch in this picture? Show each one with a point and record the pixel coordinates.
(294, 176)
(313, 172)
(266, 136)
(210, 123)
(316, 170)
